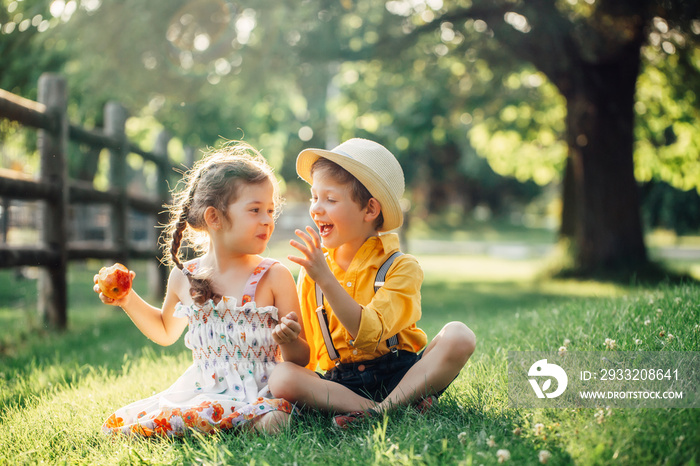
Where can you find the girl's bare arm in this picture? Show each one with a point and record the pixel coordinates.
(289, 333)
(159, 325)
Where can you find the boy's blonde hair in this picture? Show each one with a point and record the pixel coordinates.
(216, 181)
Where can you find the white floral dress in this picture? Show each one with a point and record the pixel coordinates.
(233, 355)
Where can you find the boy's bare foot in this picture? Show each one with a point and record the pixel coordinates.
(426, 404)
(343, 421)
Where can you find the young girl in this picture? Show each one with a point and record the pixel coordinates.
(241, 309)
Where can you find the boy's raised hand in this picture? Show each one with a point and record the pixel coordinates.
(348, 311)
(314, 261)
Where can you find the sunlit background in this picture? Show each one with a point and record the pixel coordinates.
(536, 136)
(466, 94)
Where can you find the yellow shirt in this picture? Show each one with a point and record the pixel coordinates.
(394, 309)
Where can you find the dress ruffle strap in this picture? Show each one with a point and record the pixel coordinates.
(254, 279)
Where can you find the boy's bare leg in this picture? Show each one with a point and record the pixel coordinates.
(442, 360)
(299, 385)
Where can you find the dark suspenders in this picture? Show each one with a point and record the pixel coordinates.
(392, 342)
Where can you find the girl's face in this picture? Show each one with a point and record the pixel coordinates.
(339, 219)
(250, 219)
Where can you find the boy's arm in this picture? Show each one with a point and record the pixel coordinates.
(346, 309)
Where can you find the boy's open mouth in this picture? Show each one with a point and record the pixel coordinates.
(325, 228)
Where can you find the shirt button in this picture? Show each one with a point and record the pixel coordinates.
(349, 284)
(354, 352)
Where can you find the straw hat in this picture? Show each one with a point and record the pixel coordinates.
(373, 165)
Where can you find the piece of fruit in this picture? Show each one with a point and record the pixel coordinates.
(114, 281)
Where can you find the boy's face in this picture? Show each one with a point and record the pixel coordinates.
(339, 219)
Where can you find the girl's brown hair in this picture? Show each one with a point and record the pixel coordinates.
(216, 181)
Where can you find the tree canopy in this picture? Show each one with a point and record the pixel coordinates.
(465, 92)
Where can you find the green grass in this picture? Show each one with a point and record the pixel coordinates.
(56, 389)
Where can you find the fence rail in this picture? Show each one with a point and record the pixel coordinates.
(57, 192)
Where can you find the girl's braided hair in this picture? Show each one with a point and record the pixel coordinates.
(215, 180)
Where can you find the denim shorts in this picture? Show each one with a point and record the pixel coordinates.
(376, 378)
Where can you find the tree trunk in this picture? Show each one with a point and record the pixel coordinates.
(600, 123)
(567, 229)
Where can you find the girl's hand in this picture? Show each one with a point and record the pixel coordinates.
(314, 261)
(287, 330)
(110, 301)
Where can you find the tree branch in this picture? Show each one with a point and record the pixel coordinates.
(548, 45)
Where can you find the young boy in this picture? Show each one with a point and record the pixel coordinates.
(370, 350)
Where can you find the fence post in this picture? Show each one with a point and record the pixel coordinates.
(163, 217)
(53, 147)
(114, 126)
(5, 218)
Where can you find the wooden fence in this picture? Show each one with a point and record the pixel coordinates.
(57, 192)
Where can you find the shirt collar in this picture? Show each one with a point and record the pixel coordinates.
(374, 246)
(390, 242)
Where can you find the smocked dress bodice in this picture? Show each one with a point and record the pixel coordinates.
(231, 342)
